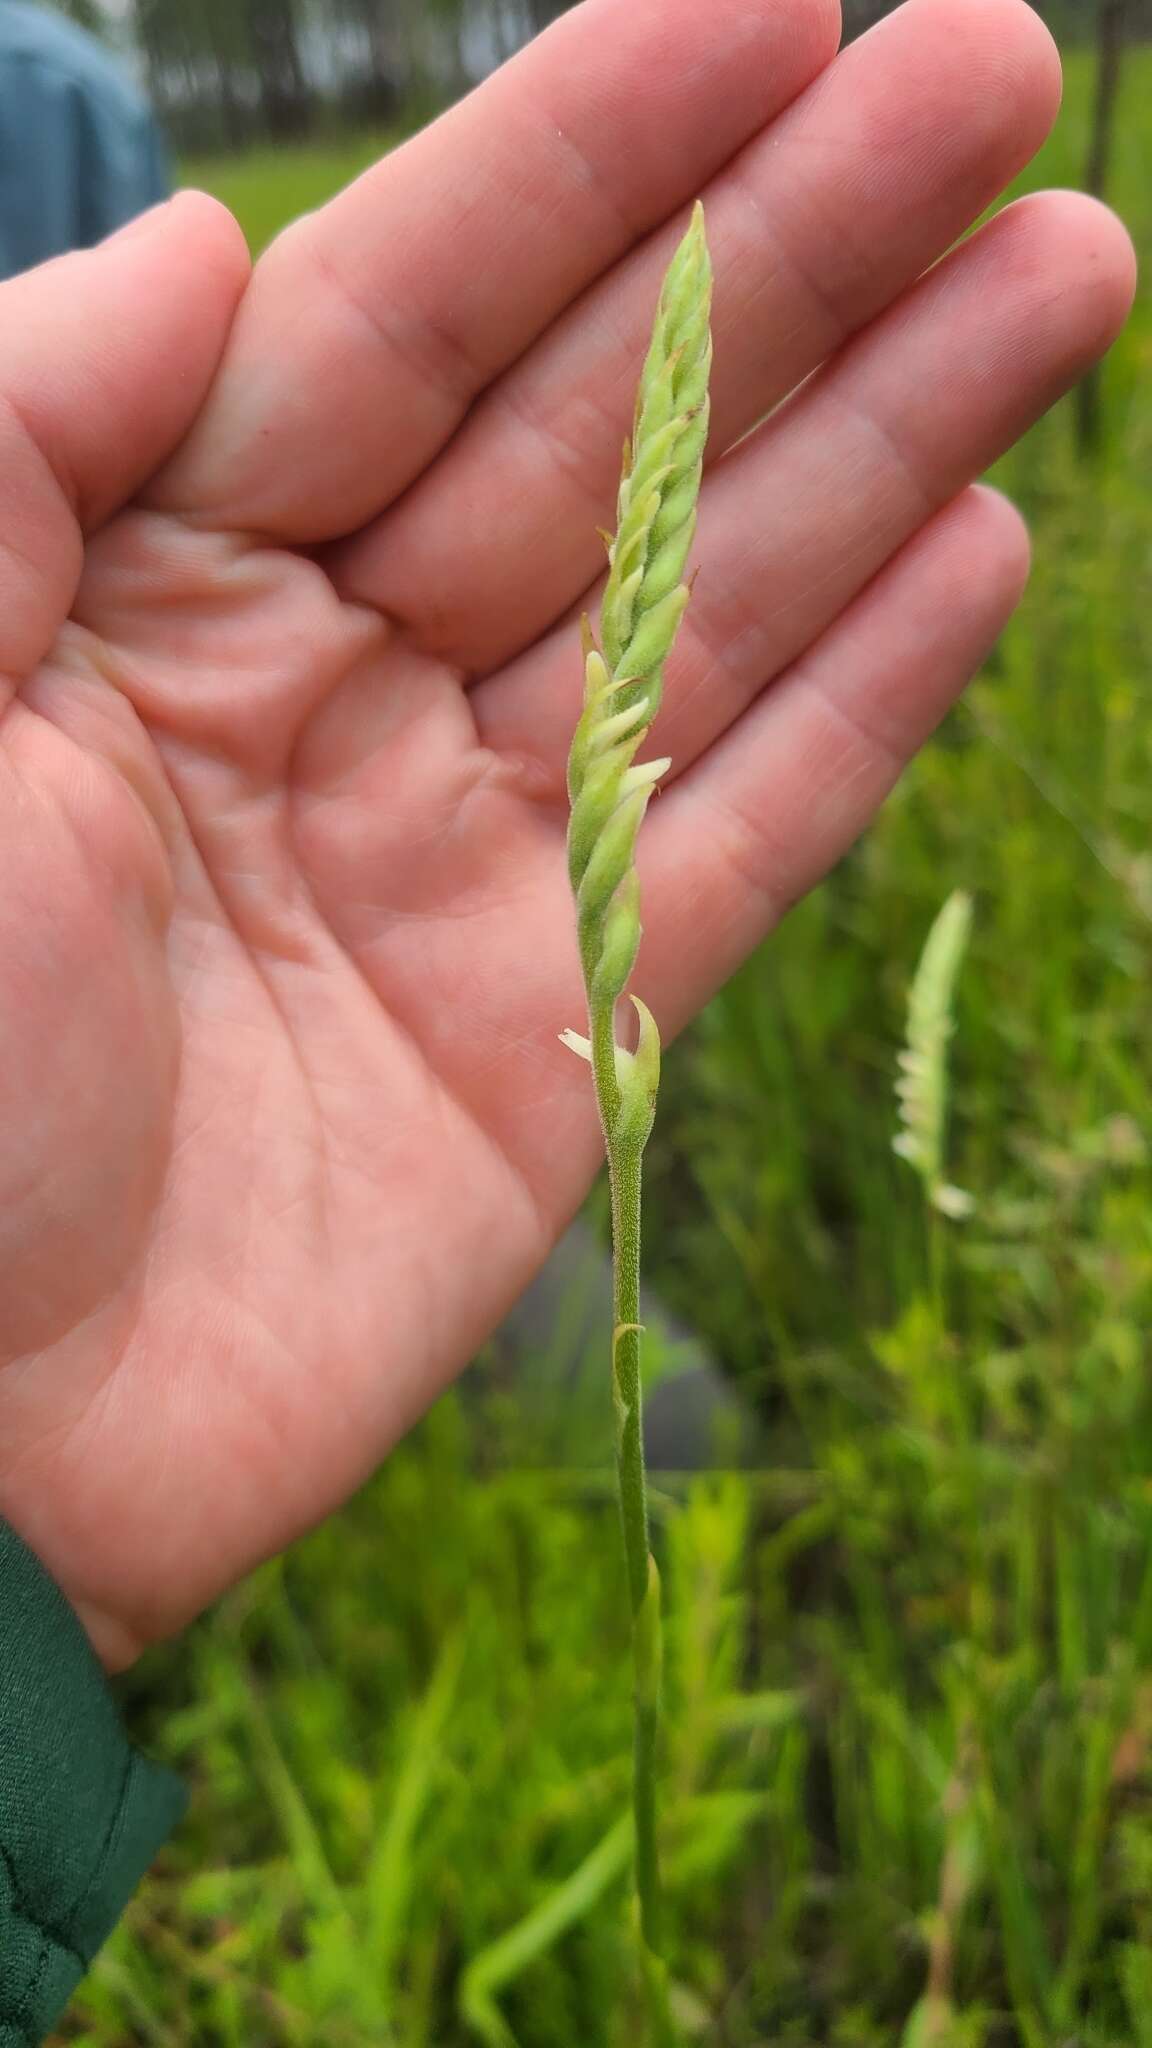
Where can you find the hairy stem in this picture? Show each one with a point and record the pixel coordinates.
(625, 1175)
(625, 1169)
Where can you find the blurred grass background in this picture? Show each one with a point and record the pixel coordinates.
(910, 1733)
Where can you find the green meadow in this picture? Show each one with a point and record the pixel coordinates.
(908, 1779)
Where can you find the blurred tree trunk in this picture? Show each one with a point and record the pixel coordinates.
(375, 22)
(200, 72)
(860, 15)
(1112, 27)
(385, 62)
(88, 13)
(275, 44)
(164, 50)
(395, 39)
(542, 12)
(235, 121)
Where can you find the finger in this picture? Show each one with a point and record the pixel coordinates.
(804, 512)
(818, 223)
(372, 325)
(770, 808)
(105, 358)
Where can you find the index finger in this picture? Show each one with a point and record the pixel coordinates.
(371, 326)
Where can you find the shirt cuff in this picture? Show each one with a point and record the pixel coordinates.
(82, 1814)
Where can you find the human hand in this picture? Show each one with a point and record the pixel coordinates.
(286, 938)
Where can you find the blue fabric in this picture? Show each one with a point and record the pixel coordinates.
(80, 153)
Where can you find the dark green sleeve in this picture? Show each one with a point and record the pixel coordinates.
(81, 1814)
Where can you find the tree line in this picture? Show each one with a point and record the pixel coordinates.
(226, 73)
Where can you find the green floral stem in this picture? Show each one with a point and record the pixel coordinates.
(643, 1578)
(644, 600)
(625, 1166)
(625, 1174)
(602, 1036)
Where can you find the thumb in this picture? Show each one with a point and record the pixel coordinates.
(106, 358)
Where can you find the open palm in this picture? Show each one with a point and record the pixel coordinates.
(289, 566)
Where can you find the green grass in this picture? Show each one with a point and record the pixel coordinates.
(911, 1661)
(266, 188)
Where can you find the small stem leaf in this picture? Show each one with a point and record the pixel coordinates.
(638, 1087)
(647, 1053)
